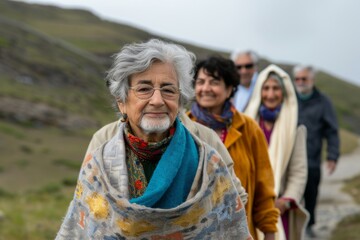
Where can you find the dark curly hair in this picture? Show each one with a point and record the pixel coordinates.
(220, 68)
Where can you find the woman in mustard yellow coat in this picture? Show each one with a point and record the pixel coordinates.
(216, 80)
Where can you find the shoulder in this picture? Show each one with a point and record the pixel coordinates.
(196, 128)
(106, 132)
(323, 97)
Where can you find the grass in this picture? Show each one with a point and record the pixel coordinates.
(43, 156)
(35, 192)
(347, 229)
(71, 164)
(34, 215)
(11, 131)
(352, 187)
(348, 141)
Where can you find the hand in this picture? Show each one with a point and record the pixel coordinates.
(282, 205)
(331, 165)
(269, 236)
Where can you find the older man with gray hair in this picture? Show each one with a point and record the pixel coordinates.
(246, 64)
(317, 114)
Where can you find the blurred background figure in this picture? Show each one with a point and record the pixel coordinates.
(274, 106)
(317, 114)
(246, 63)
(216, 80)
(142, 183)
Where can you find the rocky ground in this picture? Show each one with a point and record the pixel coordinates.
(333, 203)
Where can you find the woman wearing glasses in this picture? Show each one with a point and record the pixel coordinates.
(274, 105)
(154, 179)
(216, 80)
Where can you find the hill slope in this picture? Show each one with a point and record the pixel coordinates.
(48, 51)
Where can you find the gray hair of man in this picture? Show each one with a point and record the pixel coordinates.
(299, 68)
(253, 55)
(138, 57)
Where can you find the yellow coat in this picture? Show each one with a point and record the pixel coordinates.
(247, 146)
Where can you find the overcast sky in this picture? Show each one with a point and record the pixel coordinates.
(324, 33)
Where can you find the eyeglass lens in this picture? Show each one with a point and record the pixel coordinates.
(247, 66)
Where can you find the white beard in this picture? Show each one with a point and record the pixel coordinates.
(151, 125)
(305, 88)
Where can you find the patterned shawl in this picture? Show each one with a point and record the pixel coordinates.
(101, 208)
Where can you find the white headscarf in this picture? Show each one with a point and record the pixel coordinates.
(284, 131)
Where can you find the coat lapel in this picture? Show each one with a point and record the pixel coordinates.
(234, 132)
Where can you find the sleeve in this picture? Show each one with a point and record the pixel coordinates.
(331, 131)
(265, 214)
(296, 172)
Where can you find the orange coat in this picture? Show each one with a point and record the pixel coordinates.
(247, 146)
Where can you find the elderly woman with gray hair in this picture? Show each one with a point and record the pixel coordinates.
(154, 179)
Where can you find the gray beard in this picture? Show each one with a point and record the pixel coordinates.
(155, 126)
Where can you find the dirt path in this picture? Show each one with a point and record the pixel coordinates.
(333, 204)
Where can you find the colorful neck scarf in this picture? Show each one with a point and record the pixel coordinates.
(147, 151)
(214, 121)
(141, 159)
(269, 115)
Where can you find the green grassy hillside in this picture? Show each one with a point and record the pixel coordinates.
(81, 28)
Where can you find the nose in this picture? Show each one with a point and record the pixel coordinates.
(271, 93)
(206, 86)
(156, 98)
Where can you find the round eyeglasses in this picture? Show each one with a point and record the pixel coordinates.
(143, 91)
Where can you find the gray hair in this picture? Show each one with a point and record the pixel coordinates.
(308, 68)
(279, 79)
(137, 57)
(253, 55)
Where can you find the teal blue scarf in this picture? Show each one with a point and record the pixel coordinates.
(172, 179)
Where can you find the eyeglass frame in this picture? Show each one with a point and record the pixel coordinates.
(177, 91)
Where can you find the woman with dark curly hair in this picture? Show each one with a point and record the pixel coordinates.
(215, 82)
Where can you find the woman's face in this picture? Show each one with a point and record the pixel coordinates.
(271, 93)
(151, 118)
(210, 92)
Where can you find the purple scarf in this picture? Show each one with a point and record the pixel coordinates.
(213, 121)
(269, 115)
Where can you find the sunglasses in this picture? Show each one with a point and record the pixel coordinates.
(246, 66)
(301, 79)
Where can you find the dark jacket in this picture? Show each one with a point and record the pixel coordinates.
(318, 115)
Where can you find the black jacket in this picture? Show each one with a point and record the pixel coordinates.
(318, 115)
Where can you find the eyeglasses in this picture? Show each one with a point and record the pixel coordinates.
(143, 91)
(246, 66)
(301, 79)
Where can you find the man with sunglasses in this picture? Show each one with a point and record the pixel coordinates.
(317, 114)
(246, 64)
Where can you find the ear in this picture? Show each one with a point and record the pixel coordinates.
(121, 106)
